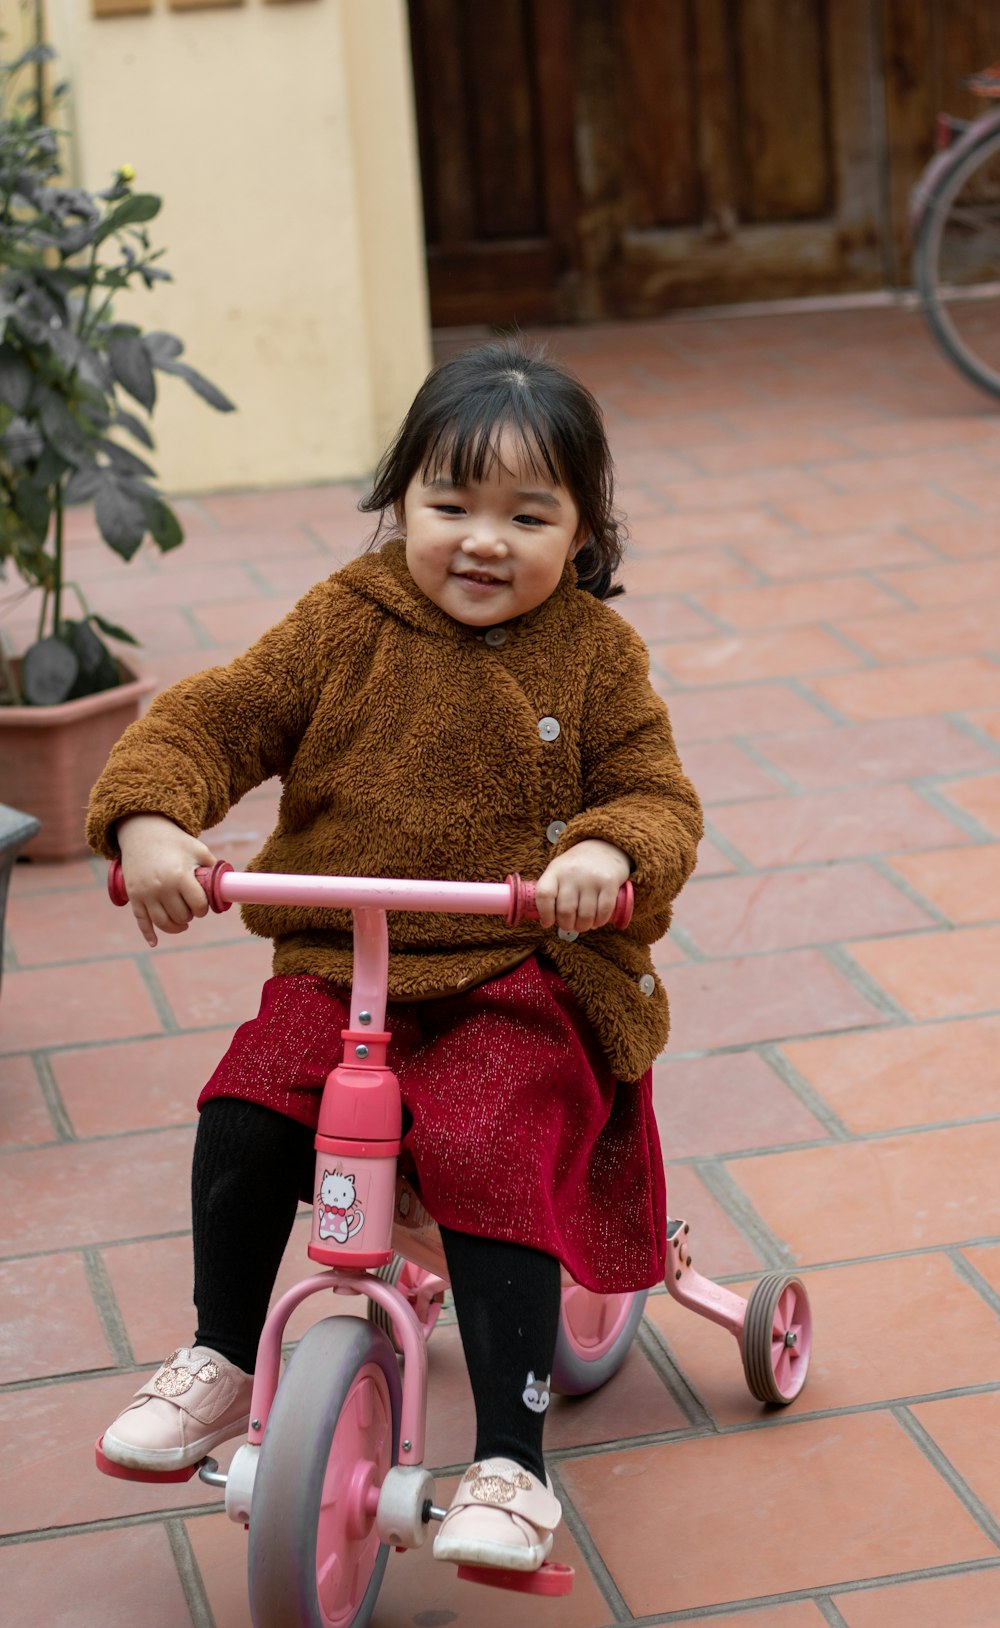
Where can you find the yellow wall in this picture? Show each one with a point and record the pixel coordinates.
(282, 140)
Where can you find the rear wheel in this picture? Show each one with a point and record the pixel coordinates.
(595, 1333)
(315, 1558)
(956, 263)
(777, 1338)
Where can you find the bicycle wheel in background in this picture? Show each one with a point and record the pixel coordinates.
(957, 263)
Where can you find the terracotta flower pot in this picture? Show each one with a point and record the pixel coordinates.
(51, 756)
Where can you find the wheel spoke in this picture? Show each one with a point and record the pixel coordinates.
(781, 1369)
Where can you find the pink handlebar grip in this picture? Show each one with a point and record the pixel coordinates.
(523, 908)
(208, 875)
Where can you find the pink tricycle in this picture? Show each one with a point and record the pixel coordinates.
(332, 1470)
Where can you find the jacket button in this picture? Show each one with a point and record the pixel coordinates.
(496, 637)
(555, 830)
(568, 935)
(647, 984)
(548, 728)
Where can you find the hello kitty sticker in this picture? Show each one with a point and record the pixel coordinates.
(340, 1214)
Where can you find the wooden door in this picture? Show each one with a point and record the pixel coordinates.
(608, 158)
(494, 98)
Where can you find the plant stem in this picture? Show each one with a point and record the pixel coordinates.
(57, 591)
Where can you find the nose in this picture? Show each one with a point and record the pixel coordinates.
(484, 540)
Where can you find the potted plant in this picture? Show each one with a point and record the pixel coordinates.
(72, 376)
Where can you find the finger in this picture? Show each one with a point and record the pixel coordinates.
(143, 923)
(169, 915)
(567, 906)
(607, 900)
(586, 909)
(545, 902)
(194, 895)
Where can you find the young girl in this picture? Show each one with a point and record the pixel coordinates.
(458, 704)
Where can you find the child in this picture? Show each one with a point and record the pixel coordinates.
(458, 704)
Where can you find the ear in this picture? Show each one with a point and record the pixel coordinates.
(581, 540)
(531, 1377)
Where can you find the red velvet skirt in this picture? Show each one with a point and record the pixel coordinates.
(517, 1127)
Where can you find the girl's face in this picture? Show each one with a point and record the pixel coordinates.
(493, 550)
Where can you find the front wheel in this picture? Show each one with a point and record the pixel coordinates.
(315, 1559)
(595, 1333)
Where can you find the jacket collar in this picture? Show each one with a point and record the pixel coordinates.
(383, 577)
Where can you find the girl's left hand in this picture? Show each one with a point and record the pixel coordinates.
(579, 889)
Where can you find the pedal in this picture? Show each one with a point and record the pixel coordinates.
(550, 1578)
(121, 1472)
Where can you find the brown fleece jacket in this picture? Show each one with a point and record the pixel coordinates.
(409, 746)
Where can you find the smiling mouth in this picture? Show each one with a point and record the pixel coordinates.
(481, 576)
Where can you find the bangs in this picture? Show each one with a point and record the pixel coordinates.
(467, 448)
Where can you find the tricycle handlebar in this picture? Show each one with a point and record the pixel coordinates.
(514, 899)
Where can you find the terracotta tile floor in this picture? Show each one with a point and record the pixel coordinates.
(815, 563)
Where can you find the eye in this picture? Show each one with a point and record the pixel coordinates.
(447, 508)
(529, 520)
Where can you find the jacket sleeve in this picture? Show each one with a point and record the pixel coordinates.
(636, 795)
(212, 737)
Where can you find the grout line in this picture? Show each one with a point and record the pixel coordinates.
(189, 1574)
(864, 984)
(654, 1347)
(112, 1321)
(744, 866)
(581, 1535)
(809, 1097)
(906, 887)
(928, 1446)
(53, 1100)
(937, 798)
(974, 731)
(970, 1274)
(154, 989)
(858, 1585)
(828, 1611)
(774, 1253)
(113, 1523)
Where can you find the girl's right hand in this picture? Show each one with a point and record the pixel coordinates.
(158, 866)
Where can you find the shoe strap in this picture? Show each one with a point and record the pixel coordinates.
(511, 1489)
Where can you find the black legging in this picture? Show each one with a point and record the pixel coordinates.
(251, 1167)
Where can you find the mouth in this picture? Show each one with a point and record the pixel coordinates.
(485, 578)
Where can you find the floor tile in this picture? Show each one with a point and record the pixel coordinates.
(962, 1426)
(873, 1198)
(110, 1579)
(738, 657)
(754, 709)
(54, 1428)
(48, 1006)
(874, 1339)
(956, 684)
(971, 537)
(81, 925)
(969, 1600)
(82, 1193)
(739, 915)
(708, 527)
(723, 772)
(854, 511)
(990, 721)
(964, 883)
(872, 473)
(823, 601)
(851, 823)
(788, 488)
(900, 1514)
(24, 1118)
(139, 1084)
(980, 798)
(662, 616)
(221, 985)
(712, 861)
(725, 457)
(954, 584)
(744, 1001)
(712, 1105)
(40, 876)
(865, 754)
(50, 1321)
(948, 630)
(914, 1075)
(797, 1614)
(935, 975)
(800, 557)
(986, 1260)
(676, 572)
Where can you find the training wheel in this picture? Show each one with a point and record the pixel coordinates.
(550, 1578)
(777, 1338)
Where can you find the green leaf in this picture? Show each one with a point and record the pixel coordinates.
(123, 460)
(113, 631)
(122, 517)
(34, 505)
(49, 671)
(165, 528)
(200, 385)
(139, 207)
(162, 347)
(132, 368)
(134, 426)
(15, 378)
(98, 669)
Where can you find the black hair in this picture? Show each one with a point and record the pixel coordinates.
(455, 424)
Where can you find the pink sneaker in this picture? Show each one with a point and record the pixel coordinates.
(500, 1516)
(194, 1401)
